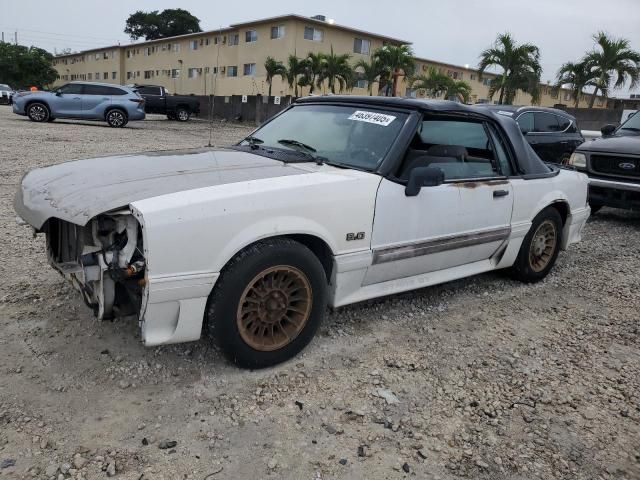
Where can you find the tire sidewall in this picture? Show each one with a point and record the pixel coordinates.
(46, 109)
(112, 111)
(522, 266)
(223, 305)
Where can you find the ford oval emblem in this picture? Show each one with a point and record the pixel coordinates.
(627, 166)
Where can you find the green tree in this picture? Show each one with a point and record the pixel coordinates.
(335, 69)
(168, 23)
(577, 76)
(520, 65)
(369, 71)
(434, 82)
(23, 67)
(295, 67)
(311, 69)
(396, 61)
(611, 58)
(274, 69)
(458, 89)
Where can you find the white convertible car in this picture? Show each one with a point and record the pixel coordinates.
(334, 201)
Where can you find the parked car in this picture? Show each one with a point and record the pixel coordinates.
(115, 104)
(6, 94)
(553, 133)
(613, 165)
(175, 107)
(381, 196)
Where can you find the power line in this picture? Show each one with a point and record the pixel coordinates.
(92, 37)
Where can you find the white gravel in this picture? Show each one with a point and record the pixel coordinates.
(481, 378)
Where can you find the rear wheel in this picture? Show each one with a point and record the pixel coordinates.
(182, 114)
(540, 247)
(38, 112)
(268, 303)
(116, 118)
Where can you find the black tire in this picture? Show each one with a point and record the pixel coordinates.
(116, 118)
(182, 114)
(38, 112)
(225, 312)
(530, 267)
(171, 116)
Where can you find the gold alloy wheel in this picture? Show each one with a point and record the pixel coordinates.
(274, 308)
(543, 246)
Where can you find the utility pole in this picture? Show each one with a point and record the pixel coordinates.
(16, 37)
(2, 37)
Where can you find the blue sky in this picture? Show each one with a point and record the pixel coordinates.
(453, 31)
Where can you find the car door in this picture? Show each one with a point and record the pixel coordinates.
(570, 137)
(95, 100)
(68, 101)
(463, 221)
(154, 100)
(545, 137)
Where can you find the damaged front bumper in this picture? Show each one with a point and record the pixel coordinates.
(103, 260)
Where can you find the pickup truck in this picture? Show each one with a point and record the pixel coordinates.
(251, 243)
(175, 107)
(612, 163)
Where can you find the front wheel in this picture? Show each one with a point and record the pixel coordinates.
(268, 303)
(540, 248)
(38, 112)
(116, 118)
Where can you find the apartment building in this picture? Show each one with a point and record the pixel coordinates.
(230, 61)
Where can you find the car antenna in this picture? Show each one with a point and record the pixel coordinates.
(212, 98)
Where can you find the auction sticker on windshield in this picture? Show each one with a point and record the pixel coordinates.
(372, 117)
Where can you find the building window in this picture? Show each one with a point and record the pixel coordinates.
(105, 55)
(361, 45)
(250, 36)
(105, 75)
(411, 92)
(232, 71)
(148, 74)
(176, 47)
(175, 73)
(234, 39)
(97, 76)
(314, 34)
(473, 76)
(194, 72)
(207, 41)
(361, 83)
(90, 76)
(128, 75)
(277, 32)
(249, 69)
(193, 45)
(114, 75)
(486, 81)
(97, 56)
(214, 70)
(567, 96)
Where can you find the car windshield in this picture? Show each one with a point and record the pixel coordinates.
(5, 88)
(632, 123)
(358, 137)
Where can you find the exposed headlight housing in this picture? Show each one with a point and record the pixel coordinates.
(578, 160)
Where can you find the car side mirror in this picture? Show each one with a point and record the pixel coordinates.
(58, 93)
(423, 177)
(608, 129)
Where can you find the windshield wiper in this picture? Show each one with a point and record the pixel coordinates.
(253, 141)
(304, 148)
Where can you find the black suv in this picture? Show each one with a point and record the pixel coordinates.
(552, 133)
(613, 165)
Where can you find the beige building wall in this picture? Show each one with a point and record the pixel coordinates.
(212, 62)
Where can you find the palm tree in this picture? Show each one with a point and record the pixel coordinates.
(312, 68)
(294, 68)
(520, 65)
(274, 69)
(397, 61)
(434, 83)
(613, 57)
(335, 69)
(369, 71)
(460, 90)
(576, 75)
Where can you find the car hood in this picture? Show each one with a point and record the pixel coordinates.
(623, 144)
(79, 190)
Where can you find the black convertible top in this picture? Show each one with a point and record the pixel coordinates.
(529, 164)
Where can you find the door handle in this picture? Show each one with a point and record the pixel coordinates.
(500, 193)
(76, 98)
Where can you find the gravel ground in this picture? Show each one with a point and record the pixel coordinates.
(480, 378)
